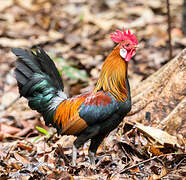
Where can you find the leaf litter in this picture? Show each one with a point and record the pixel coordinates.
(76, 34)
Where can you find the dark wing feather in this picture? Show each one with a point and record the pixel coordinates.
(98, 108)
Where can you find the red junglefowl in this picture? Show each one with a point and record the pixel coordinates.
(92, 115)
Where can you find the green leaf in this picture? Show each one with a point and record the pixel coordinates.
(75, 73)
(40, 129)
(81, 17)
(58, 59)
(70, 71)
(37, 138)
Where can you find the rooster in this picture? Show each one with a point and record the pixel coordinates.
(92, 115)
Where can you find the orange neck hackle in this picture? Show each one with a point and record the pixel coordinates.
(113, 76)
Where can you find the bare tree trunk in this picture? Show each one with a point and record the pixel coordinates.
(184, 18)
(169, 29)
(162, 97)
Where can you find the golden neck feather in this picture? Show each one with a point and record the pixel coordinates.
(112, 76)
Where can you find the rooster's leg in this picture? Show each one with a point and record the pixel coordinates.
(74, 155)
(91, 156)
(95, 142)
(87, 134)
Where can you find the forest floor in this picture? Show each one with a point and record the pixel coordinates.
(75, 34)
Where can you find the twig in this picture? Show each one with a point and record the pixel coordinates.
(12, 103)
(145, 161)
(66, 160)
(179, 163)
(169, 30)
(8, 154)
(142, 162)
(184, 18)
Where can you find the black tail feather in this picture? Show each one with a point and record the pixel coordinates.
(53, 73)
(27, 58)
(30, 63)
(39, 81)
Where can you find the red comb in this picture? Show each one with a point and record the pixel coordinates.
(119, 36)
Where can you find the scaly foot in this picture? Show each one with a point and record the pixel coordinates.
(91, 156)
(74, 155)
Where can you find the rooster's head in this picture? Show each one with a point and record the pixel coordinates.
(127, 43)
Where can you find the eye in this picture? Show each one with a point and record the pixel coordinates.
(127, 44)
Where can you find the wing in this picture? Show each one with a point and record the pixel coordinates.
(98, 107)
(67, 119)
(75, 114)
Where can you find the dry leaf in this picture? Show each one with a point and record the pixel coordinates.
(6, 129)
(21, 159)
(158, 135)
